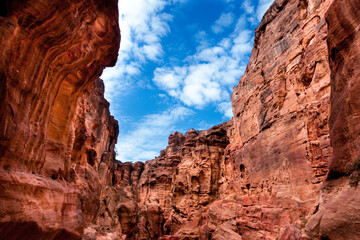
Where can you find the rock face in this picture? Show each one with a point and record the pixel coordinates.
(338, 215)
(281, 146)
(57, 137)
(287, 166)
(176, 188)
(278, 176)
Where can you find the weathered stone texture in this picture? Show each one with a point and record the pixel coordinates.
(281, 148)
(57, 137)
(274, 172)
(176, 188)
(338, 215)
(282, 168)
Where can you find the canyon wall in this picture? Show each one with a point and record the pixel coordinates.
(287, 166)
(290, 162)
(338, 215)
(57, 137)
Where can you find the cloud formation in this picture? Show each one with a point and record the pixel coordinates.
(225, 20)
(226, 109)
(201, 81)
(142, 24)
(208, 75)
(144, 142)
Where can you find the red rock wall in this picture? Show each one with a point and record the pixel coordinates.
(57, 137)
(277, 176)
(181, 183)
(338, 215)
(285, 167)
(281, 150)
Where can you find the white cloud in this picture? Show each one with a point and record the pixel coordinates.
(153, 51)
(241, 43)
(201, 38)
(248, 7)
(226, 109)
(204, 78)
(142, 25)
(167, 78)
(225, 20)
(213, 68)
(152, 133)
(207, 76)
(199, 88)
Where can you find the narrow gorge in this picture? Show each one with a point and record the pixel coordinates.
(286, 166)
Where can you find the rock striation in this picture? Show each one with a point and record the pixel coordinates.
(287, 166)
(338, 215)
(281, 145)
(57, 137)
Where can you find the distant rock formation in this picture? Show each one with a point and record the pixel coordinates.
(287, 166)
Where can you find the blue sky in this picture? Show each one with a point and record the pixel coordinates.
(177, 65)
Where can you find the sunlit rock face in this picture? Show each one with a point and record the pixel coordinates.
(287, 166)
(268, 175)
(280, 151)
(176, 188)
(57, 136)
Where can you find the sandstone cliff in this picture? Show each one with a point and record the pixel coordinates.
(289, 169)
(338, 215)
(287, 166)
(57, 137)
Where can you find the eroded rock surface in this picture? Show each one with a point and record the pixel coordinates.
(57, 137)
(274, 179)
(282, 168)
(281, 150)
(181, 183)
(338, 215)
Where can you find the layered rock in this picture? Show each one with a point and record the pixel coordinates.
(338, 215)
(281, 150)
(273, 173)
(57, 136)
(282, 168)
(176, 188)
